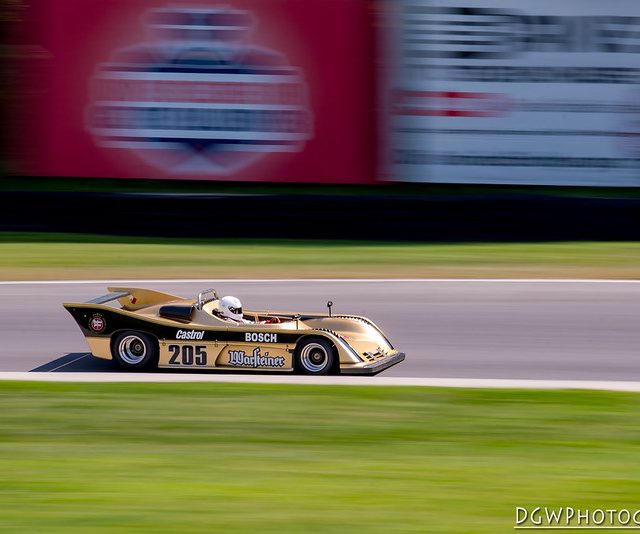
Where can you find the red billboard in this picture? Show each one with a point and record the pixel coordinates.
(273, 90)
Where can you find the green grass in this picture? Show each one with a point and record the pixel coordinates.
(103, 458)
(67, 256)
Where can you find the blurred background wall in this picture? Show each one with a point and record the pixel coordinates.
(373, 101)
(522, 92)
(324, 91)
(270, 90)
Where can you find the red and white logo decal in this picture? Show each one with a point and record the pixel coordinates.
(97, 323)
(198, 97)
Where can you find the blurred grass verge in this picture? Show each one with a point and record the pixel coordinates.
(166, 458)
(25, 256)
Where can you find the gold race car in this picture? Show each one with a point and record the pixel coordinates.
(143, 328)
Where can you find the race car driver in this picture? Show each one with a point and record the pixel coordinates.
(230, 310)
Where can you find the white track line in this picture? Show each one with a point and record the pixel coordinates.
(330, 280)
(319, 381)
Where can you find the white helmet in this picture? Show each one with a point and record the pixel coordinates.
(231, 308)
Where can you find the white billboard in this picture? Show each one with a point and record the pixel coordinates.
(527, 92)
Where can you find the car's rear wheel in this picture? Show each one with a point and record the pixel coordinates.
(315, 356)
(135, 350)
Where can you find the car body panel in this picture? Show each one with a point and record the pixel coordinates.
(190, 336)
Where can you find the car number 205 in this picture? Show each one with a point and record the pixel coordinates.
(188, 355)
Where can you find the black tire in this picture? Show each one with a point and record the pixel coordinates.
(315, 356)
(135, 351)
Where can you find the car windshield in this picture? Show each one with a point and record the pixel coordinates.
(206, 296)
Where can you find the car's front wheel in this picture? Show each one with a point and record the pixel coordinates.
(315, 356)
(135, 350)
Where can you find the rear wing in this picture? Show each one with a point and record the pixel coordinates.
(134, 298)
(103, 299)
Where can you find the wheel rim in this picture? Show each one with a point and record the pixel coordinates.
(132, 350)
(314, 357)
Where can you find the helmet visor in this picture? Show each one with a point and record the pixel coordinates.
(237, 311)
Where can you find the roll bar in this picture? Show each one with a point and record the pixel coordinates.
(202, 300)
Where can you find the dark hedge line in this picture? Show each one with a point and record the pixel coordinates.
(517, 217)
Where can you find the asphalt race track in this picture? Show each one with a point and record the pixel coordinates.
(547, 330)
